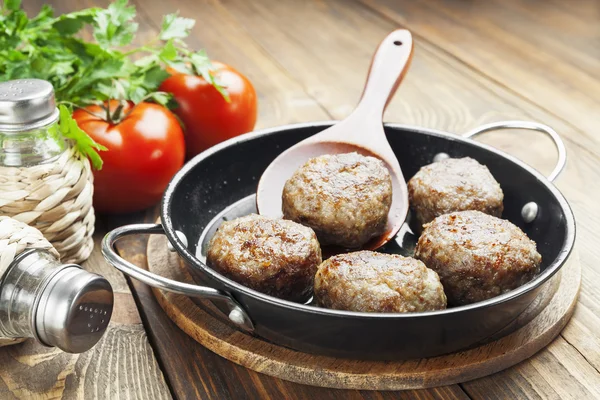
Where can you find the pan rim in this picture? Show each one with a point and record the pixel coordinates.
(234, 287)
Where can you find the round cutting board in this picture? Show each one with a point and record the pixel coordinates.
(544, 320)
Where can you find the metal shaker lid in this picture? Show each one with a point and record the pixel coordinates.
(74, 310)
(26, 104)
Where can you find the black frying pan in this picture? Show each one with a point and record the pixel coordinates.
(219, 183)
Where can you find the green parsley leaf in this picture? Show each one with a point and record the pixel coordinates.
(115, 26)
(12, 4)
(175, 27)
(99, 71)
(168, 52)
(136, 94)
(147, 61)
(155, 76)
(43, 18)
(70, 24)
(68, 128)
(162, 98)
(204, 67)
(17, 22)
(180, 66)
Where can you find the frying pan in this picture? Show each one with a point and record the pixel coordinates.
(219, 184)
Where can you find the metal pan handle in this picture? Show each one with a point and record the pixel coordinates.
(534, 126)
(530, 210)
(236, 313)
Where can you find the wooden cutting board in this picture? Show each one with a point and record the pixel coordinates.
(546, 317)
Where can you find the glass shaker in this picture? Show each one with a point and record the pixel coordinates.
(44, 181)
(27, 111)
(58, 304)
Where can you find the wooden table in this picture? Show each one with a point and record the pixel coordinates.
(475, 62)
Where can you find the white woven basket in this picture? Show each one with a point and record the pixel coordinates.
(55, 198)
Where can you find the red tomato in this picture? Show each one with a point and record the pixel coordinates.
(145, 150)
(207, 117)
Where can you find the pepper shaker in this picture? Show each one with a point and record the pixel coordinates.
(58, 304)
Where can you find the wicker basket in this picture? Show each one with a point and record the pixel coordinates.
(55, 198)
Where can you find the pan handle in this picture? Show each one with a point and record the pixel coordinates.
(236, 313)
(535, 126)
(530, 210)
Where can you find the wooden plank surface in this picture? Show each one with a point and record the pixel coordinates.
(546, 52)
(475, 62)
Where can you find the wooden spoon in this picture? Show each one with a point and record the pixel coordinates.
(362, 132)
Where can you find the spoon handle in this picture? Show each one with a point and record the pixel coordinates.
(388, 67)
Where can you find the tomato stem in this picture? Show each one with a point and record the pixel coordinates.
(78, 107)
(116, 116)
(146, 97)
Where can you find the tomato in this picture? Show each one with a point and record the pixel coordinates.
(207, 117)
(145, 150)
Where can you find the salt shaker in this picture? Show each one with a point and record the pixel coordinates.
(58, 304)
(44, 181)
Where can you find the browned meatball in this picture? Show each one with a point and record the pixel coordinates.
(345, 198)
(272, 256)
(477, 256)
(454, 184)
(376, 282)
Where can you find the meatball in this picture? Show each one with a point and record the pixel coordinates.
(376, 282)
(477, 256)
(455, 184)
(345, 198)
(272, 256)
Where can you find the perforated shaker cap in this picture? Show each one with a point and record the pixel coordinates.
(74, 310)
(26, 104)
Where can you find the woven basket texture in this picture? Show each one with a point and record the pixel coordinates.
(55, 198)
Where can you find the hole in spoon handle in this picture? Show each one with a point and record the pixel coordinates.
(388, 67)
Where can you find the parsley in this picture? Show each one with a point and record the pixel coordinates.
(85, 72)
(68, 129)
(175, 27)
(114, 26)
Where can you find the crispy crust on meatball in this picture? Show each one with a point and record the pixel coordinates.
(477, 256)
(345, 198)
(454, 184)
(376, 282)
(273, 256)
